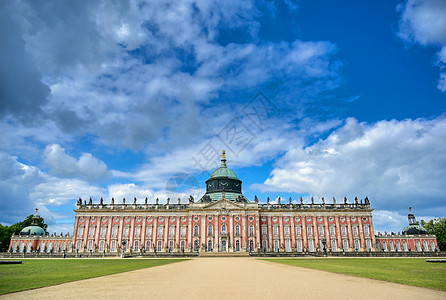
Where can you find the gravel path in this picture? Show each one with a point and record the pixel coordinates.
(228, 278)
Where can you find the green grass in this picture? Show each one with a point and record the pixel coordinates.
(35, 273)
(411, 271)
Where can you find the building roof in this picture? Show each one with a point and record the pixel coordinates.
(224, 171)
(414, 229)
(32, 230)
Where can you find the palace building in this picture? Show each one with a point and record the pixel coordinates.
(224, 220)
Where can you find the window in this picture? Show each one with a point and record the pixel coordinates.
(210, 229)
(56, 247)
(391, 246)
(345, 245)
(432, 246)
(126, 231)
(237, 245)
(113, 246)
(264, 230)
(92, 229)
(404, 245)
(369, 245)
(196, 229)
(332, 231)
(80, 232)
(172, 231)
(299, 245)
(138, 232)
(223, 228)
(321, 231)
(287, 230)
(310, 230)
(22, 245)
(160, 231)
(63, 246)
(147, 245)
(288, 245)
(357, 245)
(78, 246)
(160, 246)
(265, 245)
(90, 245)
(50, 247)
(298, 231)
(344, 231)
(251, 230)
(418, 246)
(334, 245)
(251, 245)
(28, 248)
(276, 246)
(136, 246)
(237, 230)
(384, 246)
(14, 248)
(196, 245)
(101, 246)
(149, 231)
(398, 247)
(311, 245)
(183, 230)
(355, 230)
(276, 231)
(103, 229)
(182, 245)
(115, 231)
(170, 246)
(425, 247)
(366, 230)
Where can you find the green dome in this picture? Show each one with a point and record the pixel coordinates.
(224, 171)
(414, 229)
(32, 230)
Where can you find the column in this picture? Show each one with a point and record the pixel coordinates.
(216, 241)
(86, 231)
(121, 219)
(270, 234)
(372, 234)
(281, 233)
(361, 234)
(231, 234)
(203, 232)
(257, 229)
(155, 233)
(315, 234)
(350, 233)
(132, 232)
(244, 231)
(144, 232)
(189, 232)
(166, 233)
(177, 235)
(304, 232)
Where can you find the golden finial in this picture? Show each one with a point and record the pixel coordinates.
(223, 154)
(36, 210)
(410, 208)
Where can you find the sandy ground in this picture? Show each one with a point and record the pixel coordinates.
(228, 278)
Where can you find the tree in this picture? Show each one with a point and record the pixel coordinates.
(7, 231)
(437, 227)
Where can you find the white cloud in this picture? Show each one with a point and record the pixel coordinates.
(61, 164)
(395, 163)
(424, 22)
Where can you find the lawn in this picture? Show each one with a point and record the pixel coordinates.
(35, 273)
(411, 271)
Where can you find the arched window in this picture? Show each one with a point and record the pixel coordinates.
(357, 245)
(223, 228)
(251, 230)
(276, 246)
(79, 245)
(299, 245)
(49, 247)
(398, 247)
(90, 246)
(138, 232)
(196, 230)
(62, 248)
(418, 246)
(172, 231)
(265, 245)
(345, 245)
(92, 230)
(311, 245)
(115, 231)
(28, 248)
(237, 230)
(22, 245)
(113, 246)
(147, 245)
(14, 247)
(404, 245)
(251, 245)
(369, 245)
(170, 246)
(391, 246)
(288, 245)
(384, 246)
(432, 246)
(237, 245)
(196, 245)
(136, 248)
(223, 246)
(101, 246)
(334, 245)
(56, 247)
(183, 246)
(426, 248)
(160, 246)
(210, 229)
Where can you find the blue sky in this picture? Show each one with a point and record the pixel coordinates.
(137, 99)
